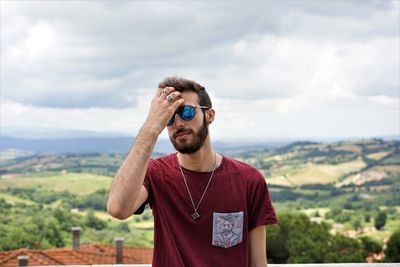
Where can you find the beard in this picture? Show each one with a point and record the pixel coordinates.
(226, 232)
(187, 147)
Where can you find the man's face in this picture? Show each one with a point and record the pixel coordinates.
(227, 227)
(189, 136)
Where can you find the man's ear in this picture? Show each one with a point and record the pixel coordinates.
(210, 115)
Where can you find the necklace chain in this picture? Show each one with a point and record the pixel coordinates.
(196, 215)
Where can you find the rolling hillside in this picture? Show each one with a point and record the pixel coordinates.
(345, 184)
(341, 164)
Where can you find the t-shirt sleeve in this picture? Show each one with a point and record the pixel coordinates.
(261, 211)
(147, 185)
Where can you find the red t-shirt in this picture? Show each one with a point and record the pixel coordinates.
(236, 201)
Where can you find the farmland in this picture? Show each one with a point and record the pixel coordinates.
(346, 185)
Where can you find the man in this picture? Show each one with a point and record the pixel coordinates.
(192, 191)
(224, 234)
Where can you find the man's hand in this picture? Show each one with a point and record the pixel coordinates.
(161, 109)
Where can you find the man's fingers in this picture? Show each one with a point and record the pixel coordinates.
(172, 96)
(158, 92)
(177, 103)
(163, 92)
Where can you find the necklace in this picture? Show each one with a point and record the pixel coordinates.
(196, 215)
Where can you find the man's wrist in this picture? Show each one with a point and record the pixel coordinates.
(147, 133)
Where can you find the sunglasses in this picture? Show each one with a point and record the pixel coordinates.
(186, 112)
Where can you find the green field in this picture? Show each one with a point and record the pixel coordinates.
(14, 200)
(322, 173)
(76, 183)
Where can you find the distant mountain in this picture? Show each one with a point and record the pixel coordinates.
(52, 133)
(117, 145)
(49, 140)
(69, 145)
(54, 141)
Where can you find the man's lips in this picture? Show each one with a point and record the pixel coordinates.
(181, 134)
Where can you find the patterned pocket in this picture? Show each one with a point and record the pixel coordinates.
(227, 229)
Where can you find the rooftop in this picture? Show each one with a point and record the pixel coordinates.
(91, 254)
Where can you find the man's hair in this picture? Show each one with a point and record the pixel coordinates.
(185, 85)
(229, 219)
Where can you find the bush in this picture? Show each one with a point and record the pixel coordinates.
(392, 250)
(380, 220)
(298, 240)
(370, 246)
(93, 222)
(344, 249)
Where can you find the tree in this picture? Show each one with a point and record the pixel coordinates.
(93, 222)
(380, 220)
(298, 240)
(124, 227)
(370, 246)
(96, 200)
(356, 223)
(277, 235)
(64, 218)
(308, 243)
(53, 234)
(392, 250)
(14, 238)
(344, 249)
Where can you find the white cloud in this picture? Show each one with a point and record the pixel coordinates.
(387, 102)
(71, 63)
(126, 121)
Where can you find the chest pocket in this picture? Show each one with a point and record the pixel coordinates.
(227, 229)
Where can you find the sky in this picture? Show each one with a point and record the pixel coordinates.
(274, 69)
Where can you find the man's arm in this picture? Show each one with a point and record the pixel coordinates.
(127, 192)
(257, 242)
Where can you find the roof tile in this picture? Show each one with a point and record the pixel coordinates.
(88, 254)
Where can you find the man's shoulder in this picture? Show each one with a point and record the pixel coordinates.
(252, 177)
(162, 162)
(169, 158)
(235, 163)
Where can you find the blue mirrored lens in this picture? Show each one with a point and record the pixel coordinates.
(187, 113)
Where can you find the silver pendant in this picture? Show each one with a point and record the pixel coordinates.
(195, 215)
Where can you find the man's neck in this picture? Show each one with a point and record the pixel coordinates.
(202, 160)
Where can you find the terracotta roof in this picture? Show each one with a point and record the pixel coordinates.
(88, 254)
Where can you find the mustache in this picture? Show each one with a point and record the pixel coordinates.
(183, 130)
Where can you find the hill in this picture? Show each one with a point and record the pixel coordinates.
(340, 163)
(344, 164)
(344, 184)
(100, 145)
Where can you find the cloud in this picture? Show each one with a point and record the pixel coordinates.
(70, 63)
(128, 120)
(96, 54)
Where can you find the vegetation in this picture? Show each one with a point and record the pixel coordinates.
(298, 240)
(45, 227)
(347, 195)
(380, 220)
(393, 247)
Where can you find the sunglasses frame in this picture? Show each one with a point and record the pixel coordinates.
(179, 110)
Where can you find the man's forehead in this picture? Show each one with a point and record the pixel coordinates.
(190, 98)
